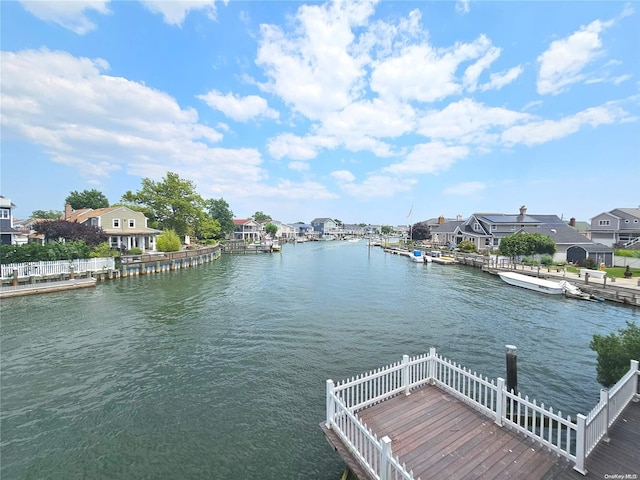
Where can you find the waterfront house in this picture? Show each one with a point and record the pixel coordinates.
(486, 230)
(246, 229)
(124, 227)
(8, 234)
(325, 226)
(617, 228)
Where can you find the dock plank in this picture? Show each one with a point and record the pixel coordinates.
(439, 436)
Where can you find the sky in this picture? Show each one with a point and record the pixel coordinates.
(381, 112)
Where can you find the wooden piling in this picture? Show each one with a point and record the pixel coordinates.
(512, 368)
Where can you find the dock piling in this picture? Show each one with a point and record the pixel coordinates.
(512, 368)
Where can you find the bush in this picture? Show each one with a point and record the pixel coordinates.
(529, 261)
(467, 247)
(615, 352)
(134, 251)
(168, 241)
(36, 252)
(546, 260)
(103, 250)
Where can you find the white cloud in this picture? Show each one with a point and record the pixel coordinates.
(465, 188)
(500, 79)
(299, 166)
(562, 64)
(473, 72)
(312, 70)
(175, 11)
(377, 186)
(467, 121)
(462, 6)
(239, 108)
(425, 74)
(428, 158)
(343, 176)
(543, 131)
(298, 148)
(68, 14)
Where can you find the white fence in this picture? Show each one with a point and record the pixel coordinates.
(573, 440)
(57, 267)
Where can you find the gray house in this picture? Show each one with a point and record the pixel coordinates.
(8, 234)
(617, 228)
(597, 253)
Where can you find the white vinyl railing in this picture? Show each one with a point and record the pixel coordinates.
(57, 267)
(573, 440)
(612, 403)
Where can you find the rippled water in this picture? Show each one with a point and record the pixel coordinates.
(219, 371)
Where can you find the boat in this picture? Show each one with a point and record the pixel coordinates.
(417, 256)
(276, 247)
(354, 240)
(533, 283)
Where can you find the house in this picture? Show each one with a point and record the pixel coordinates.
(285, 231)
(617, 228)
(124, 227)
(8, 234)
(246, 229)
(486, 230)
(304, 230)
(325, 226)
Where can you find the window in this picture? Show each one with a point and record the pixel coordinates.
(635, 221)
(494, 228)
(5, 213)
(116, 223)
(604, 223)
(513, 228)
(132, 223)
(626, 220)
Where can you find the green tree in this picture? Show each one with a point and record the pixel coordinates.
(87, 199)
(173, 203)
(526, 244)
(615, 352)
(386, 229)
(271, 229)
(261, 217)
(219, 210)
(207, 228)
(467, 247)
(46, 214)
(168, 241)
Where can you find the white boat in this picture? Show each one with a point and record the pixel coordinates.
(551, 287)
(533, 283)
(353, 240)
(417, 256)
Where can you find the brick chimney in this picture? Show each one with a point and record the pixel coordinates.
(440, 220)
(67, 211)
(572, 222)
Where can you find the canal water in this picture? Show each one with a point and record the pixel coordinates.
(219, 371)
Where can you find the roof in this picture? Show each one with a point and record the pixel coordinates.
(243, 221)
(503, 218)
(322, 220)
(594, 248)
(560, 234)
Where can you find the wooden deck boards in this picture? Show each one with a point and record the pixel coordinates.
(438, 436)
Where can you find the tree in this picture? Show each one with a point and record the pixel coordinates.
(46, 214)
(526, 244)
(615, 352)
(420, 231)
(219, 210)
(87, 199)
(386, 229)
(271, 229)
(261, 217)
(173, 203)
(168, 241)
(207, 228)
(57, 229)
(467, 247)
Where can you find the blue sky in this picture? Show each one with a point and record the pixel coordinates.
(361, 111)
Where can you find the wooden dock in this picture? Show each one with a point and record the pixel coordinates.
(46, 287)
(427, 417)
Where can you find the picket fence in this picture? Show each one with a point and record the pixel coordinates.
(57, 267)
(573, 440)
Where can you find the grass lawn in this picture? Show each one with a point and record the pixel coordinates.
(617, 272)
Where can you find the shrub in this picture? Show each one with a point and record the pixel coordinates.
(168, 241)
(614, 353)
(467, 247)
(546, 260)
(103, 250)
(135, 251)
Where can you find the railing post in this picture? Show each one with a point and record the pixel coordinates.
(385, 455)
(604, 397)
(329, 403)
(432, 365)
(634, 382)
(580, 444)
(500, 401)
(406, 381)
